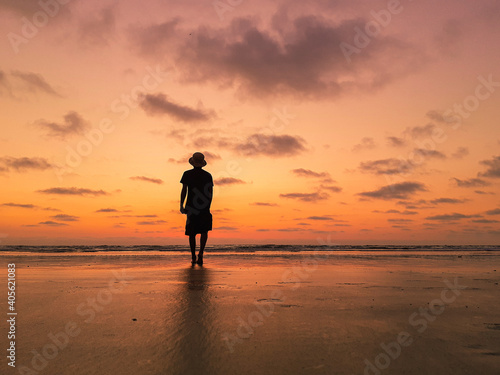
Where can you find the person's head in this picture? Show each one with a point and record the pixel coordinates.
(197, 160)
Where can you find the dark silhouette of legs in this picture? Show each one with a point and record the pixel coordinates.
(203, 242)
(192, 245)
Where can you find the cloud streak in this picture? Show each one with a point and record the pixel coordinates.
(97, 29)
(406, 212)
(320, 218)
(367, 143)
(25, 82)
(151, 222)
(471, 182)
(271, 145)
(306, 197)
(496, 211)
(301, 172)
(147, 179)
(426, 131)
(264, 204)
(18, 205)
(63, 217)
(430, 153)
(396, 142)
(28, 206)
(209, 156)
(52, 223)
(73, 191)
(299, 56)
(159, 104)
(460, 153)
(448, 200)
(107, 210)
(493, 168)
(225, 181)
(256, 144)
(401, 190)
(332, 188)
(73, 124)
(24, 164)
(390, 166)
(35, 82)
(451, 217)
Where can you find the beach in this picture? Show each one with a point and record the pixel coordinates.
(351, 312)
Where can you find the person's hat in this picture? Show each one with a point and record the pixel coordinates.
(197, 160)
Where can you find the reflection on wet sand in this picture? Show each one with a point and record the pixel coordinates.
(172, 320)
(195, 325)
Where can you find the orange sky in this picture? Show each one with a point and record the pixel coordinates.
(325, 123)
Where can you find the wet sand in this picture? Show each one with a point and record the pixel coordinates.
(349, 313)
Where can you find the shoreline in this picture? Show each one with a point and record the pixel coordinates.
(278, 314)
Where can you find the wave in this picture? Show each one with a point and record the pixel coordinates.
(245, 248)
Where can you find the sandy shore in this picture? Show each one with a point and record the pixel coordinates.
(350, 313)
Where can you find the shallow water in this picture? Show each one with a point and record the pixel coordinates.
(259, 312)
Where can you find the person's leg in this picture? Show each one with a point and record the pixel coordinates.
(203, 242)
(192, 245)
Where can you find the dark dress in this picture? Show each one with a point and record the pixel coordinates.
(199, 199)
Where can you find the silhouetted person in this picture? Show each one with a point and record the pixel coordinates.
(198, 184)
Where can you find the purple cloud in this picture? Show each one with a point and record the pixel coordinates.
(401, 190)
(160, 104)
(306, 197)
(223, 181)
(73, 191)
(147, 179)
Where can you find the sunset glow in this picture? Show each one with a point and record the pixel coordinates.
(322, 122)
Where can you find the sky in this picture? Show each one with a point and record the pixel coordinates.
(322, 122)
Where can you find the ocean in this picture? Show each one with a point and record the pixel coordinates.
(260, 248)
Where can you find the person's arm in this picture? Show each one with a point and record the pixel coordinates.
(183, 197)
(210, 192)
